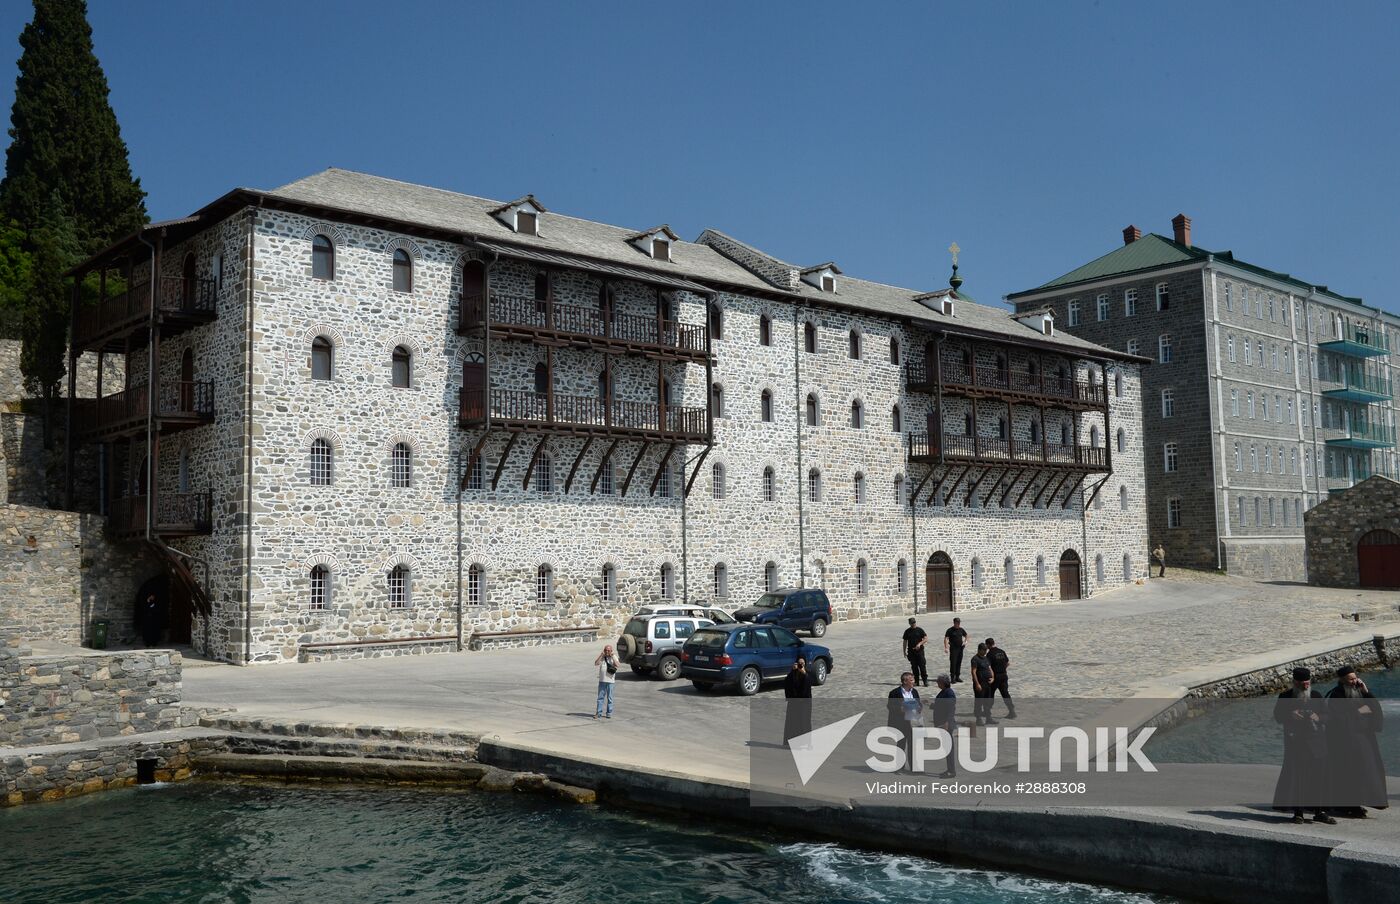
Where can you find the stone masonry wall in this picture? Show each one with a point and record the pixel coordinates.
(83, 696)
(72, 574)
(1335, 526)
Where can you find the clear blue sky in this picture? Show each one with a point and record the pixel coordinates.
(873, 134)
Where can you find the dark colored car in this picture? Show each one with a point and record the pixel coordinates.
(748, 655)
(794, 608)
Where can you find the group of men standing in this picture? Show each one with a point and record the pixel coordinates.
(1331, 750)
(988, 668)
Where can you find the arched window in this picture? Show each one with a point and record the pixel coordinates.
(721, 583)
(1123, 498)
(403, 271)
(1002, 368)
(1122, 440)
(1099, 574)
(814, 485)
(1001, 428)
(857, 414)
(809, 337)
(544, 473)
(184, 472)
(813, 412)
(322, 459)
(769, 489)
(1164, 348)
(401, 466)
(1009, 571)
(1094, 436)
(862, 578)
(402, 366)
(1064, 434)
(542, 287)
(1040, 570)
(400, 581)
(609, 583)
(541, 378)
(1035, 430)
(765, 331)
(896, 419)
(967, 423)
(603, 386)
(544, 586)
(716, 321)
(668, 582)
(859, 488)
(855, 345)
(322, 258)
(1118, 383)
(320, 587)
(476, 584)
(322, 359)
(899, 489)
(717, 400)
(894, 349)
(770, 577)
(977, 574)
(765, 407)
(717, 480)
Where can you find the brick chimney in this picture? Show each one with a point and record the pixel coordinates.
(1181, 229)
(1131, 234)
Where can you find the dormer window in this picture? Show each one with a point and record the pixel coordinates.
(522, 215)
(661, 249)
(655, 243)
(822, 276)
(526, 222)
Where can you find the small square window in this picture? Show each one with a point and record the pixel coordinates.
(660, 249)
(525, 222)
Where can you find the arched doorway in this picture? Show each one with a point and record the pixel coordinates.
(938, 578)
(187, 283)
(472, 310)
(473, 407)
(1069, 575)
(1378, 559)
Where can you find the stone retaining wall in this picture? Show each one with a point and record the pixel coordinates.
(47, 774)
(374, 651)
(86, 696)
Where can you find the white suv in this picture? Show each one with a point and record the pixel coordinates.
(713, 613)
(652, 643)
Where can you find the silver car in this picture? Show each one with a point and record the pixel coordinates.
(652, 643)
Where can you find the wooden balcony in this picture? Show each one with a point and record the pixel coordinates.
(995, 451)
(182, 405)
(584, 327)
(581, 415)
(182, 303)
(177, 515)
(1034, 387)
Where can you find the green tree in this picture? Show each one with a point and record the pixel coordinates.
(16, 279)
(68, 183)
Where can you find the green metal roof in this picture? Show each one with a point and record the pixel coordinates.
(1150, 251)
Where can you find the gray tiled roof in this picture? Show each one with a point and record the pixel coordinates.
(450, 211)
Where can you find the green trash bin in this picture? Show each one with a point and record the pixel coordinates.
(99, 633)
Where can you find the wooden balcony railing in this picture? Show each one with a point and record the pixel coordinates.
(174, 295)
(586, 413)
(177, 399)
(1011, 451)
(530, 313)
(176, 513)
(960, 376)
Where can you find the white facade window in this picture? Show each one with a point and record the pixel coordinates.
(1173, 513)
(476, 585)
(1074, 312)
(862, 578)
(1248, 353)
(1239, 457)
(1290, 410)
(1040, 570)
(901, 576)
(860, 488)
(544, 474)
(721, 582)
(977, 574)
(1234, 403)
(1169, 455)
(1168, 403)
(1254, 459)
(1163, 297)
(770, 577)
(899, 490)
(544, 586)
(1230, 347)
(1249, 399)
(401, 466)
(400, 581)
(1103, 307)
(1164, 348)
(609, 583)
(769, 488)
(1134, 347)
(1123, 498)
(1130, 303)
(476, 474)
(605, 477)
(322, 461)
(1229, 297)
(668, 582)
(814, 485)
(717, 480)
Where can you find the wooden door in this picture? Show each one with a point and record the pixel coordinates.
(938, 578)
(187, 381)
(473, 390)
(1378, 559)
(1069, 576)
(472, 311)
(179, 614)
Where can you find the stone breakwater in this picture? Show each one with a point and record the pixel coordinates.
(30, 774)
(1379, 652)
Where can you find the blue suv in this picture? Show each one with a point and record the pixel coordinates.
(748, 655)
(794, 608)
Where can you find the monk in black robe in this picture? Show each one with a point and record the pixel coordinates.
(1354, 765)
(797, 688)
(1302, 783)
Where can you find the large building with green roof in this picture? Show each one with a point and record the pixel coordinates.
(1268, 392)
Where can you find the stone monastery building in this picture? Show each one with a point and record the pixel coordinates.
(392, 418)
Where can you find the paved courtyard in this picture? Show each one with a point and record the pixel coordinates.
(1117, 644)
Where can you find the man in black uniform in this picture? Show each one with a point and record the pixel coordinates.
(1355, 769)
(1302, 782)
(1000, 663)
(954, 639)
(914, 640)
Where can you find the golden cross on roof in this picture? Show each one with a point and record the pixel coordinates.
(954, 249)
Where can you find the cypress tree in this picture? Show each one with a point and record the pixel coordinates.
(68, 186)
